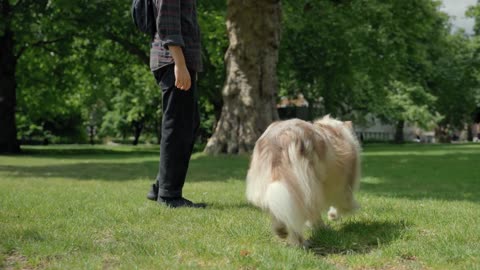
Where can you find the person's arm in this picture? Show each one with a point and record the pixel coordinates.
(168, 23)
(182, 76)
(170, 32)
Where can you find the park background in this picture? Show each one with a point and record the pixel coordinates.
(80, 116)
(77, 72)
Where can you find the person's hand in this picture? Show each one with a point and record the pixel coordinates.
(182, 78)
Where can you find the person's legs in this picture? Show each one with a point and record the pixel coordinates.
(180, 123)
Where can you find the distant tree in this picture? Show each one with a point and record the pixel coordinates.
(135, 107)
(409, 104)
(78, 57)
(23, 25)
(456, 80)
(65, 54)
(351, 52)
(474, 12)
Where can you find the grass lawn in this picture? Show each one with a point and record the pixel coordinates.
(81, 207)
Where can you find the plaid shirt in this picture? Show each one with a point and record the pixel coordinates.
(176, 25)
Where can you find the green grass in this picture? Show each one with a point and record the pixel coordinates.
(79, 207)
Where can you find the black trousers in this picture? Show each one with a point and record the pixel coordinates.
(180, 123)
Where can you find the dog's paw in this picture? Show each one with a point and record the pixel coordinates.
(333, 214)
(307, 245)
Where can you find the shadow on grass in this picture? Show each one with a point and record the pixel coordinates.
(231, 206)
(85, 171)
(79, 152)
(355, 237)
(201, 169)
(443, 172)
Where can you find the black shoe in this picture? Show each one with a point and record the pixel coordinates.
(179, 202)
(153, 193)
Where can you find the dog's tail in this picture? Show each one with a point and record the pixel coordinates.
(283, 206)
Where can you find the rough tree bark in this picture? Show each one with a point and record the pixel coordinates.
(251, 84)
(8, 85)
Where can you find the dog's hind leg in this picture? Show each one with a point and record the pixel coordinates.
(289, 219)
(278, 227)
(316, 224)
(296, 239)
(342, 207)
(281, 230)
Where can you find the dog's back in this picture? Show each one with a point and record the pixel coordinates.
(298, 170)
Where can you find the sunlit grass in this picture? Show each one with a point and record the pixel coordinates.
(82, 207)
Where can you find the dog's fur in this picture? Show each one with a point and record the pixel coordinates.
(299, 169)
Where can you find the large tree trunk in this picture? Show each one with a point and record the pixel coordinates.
(251, 84)
(8, 61)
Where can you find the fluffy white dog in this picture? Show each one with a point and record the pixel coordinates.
(299, 169)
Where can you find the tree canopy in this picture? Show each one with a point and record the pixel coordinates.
(77, 71)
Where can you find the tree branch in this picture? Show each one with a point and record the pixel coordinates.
(18, 4)
(130, 47)
(5, 9)
(37, 44)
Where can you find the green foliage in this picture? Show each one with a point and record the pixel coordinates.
(211, 17)
(411, 104)
(84, 54)
(82, 64)
(474, 12)
(137, 102)
(456, 80)
(348, 52)
(85, 58)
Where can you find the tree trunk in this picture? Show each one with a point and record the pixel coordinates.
(137, 129)
(8, 85)
(251, 84)
(399, 132)
(470, 132)
(91, 134)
